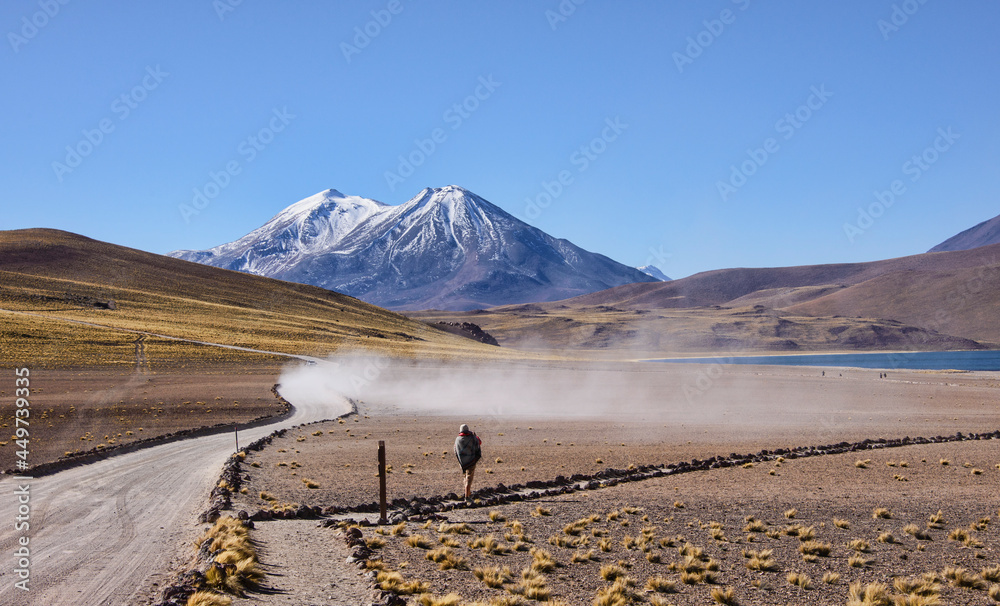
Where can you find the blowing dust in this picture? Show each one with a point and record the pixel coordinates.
(726, 401)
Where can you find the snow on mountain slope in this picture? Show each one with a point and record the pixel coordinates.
(446, 248)
(654, 271)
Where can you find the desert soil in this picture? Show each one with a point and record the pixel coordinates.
(653, 419)
(79, 410)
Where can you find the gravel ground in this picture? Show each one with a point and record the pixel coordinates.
(746, 410)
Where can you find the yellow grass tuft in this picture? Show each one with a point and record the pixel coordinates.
(881, 513)
(725, 596)
(496, 516)
(873, 594)
(493, 576)
(452, 599)
(815, 548)
(541, 511)
(839, 523)
(419, 541)
(960, 577)
(791, 513)
(800, 580)
(208, 598)
(831, 578)
(660, 584)
(541, 561)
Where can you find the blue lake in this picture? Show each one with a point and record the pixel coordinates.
(917, 360)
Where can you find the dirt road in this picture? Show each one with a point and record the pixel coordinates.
(101, 533)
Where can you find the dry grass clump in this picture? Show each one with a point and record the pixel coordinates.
(791, 513)
(531, 586)
(862, 464)
(660, 584)
(496, 516)
(725, 596)
(541, 561)
(452, 599)
(881, 513)
(965, 537)
(493, 576)
(619, 593)
(540, 512)
(960, 577)
(446, 559)
(860, 545)
(991, 574)
(839, 523)
(925, 587)
(375, 542)
(489, 545)
(872, 594)
(995, 592)
(419, 541)
(804, 533)
(393, 582)
(460, 528)
(857, 560)
(831, 578)
(583, 556)
(917, 532)
(937, 520)
(208, 598)
(754, 525)
(236, 566)
(886, 537)
(800, 580)
(612, 572)
(817, 548)
(760, 560)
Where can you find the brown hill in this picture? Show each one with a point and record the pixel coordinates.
(983, 234)
(727, 286)
(921, 302)
(65, 281)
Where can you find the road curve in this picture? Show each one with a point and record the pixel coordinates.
(101, 532)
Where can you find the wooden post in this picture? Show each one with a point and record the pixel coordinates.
(381, 482)
(236, 430)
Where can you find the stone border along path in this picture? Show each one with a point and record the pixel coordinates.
(424, 508)
(402, 509)
(220, 499)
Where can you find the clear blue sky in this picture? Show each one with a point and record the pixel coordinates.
(183, 93)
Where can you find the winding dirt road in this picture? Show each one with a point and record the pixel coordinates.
(100, 532)
(103, 533)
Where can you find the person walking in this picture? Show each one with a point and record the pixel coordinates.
(468, 451)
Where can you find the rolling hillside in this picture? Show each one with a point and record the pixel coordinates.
(64, 279)
(923, 302)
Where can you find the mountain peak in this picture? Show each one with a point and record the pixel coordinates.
(445, 248)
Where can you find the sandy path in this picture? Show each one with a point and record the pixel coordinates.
(102, 533)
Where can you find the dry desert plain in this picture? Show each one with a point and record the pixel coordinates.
(920, 519)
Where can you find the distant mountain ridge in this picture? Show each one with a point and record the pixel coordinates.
(983, 234)
(446, 248)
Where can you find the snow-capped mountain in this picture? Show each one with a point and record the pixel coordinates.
(654, 271)
(446, 248)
